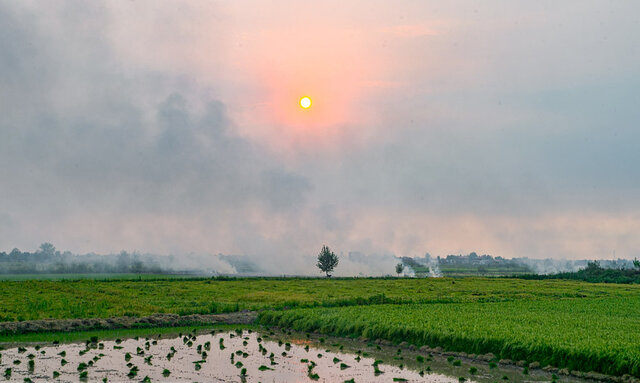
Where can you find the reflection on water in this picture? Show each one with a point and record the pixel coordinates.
(234, 357)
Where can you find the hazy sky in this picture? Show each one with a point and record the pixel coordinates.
(502, 127)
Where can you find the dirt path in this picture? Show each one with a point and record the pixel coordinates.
(156, 320)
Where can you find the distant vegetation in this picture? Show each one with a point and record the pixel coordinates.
(49, 260)
(595, 273)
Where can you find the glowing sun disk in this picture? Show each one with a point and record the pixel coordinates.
(305, 102)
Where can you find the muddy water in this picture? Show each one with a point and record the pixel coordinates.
(200, 358)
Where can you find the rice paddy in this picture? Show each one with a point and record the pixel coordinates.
(247, 356)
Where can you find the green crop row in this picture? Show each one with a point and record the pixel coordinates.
(591, 334)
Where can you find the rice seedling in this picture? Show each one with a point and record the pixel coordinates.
(133, 372)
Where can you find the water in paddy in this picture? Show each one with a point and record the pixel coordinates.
(240, 357)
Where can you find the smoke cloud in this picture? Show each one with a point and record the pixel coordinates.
(157, 128)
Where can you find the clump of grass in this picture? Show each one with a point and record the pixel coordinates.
(84, 375)
(166, 373)
(17, 362)
(399, 380)
(344, 366)
(473, 370)
(264, 368)
(420, 359)
(492, 365)
(7, 373)
(457, 362)
(243, 372)
(56, 374)
(335, 360)
(127, 357)
(146, 380)
(63, 362)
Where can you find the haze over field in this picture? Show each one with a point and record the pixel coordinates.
(505, 128)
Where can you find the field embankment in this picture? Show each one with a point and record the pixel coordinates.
(156, 320)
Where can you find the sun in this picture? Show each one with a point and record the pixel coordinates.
(305, 102)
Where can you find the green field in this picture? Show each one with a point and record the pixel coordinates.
(39, 299)
(580, 334)
(571, 324)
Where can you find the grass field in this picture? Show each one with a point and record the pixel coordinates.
(38, 299)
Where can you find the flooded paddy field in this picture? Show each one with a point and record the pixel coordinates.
(262, 355)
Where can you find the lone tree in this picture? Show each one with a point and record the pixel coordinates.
(399, 268)
(327, 260)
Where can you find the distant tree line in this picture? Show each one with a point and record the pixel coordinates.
(595, 273)
(49, 260)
